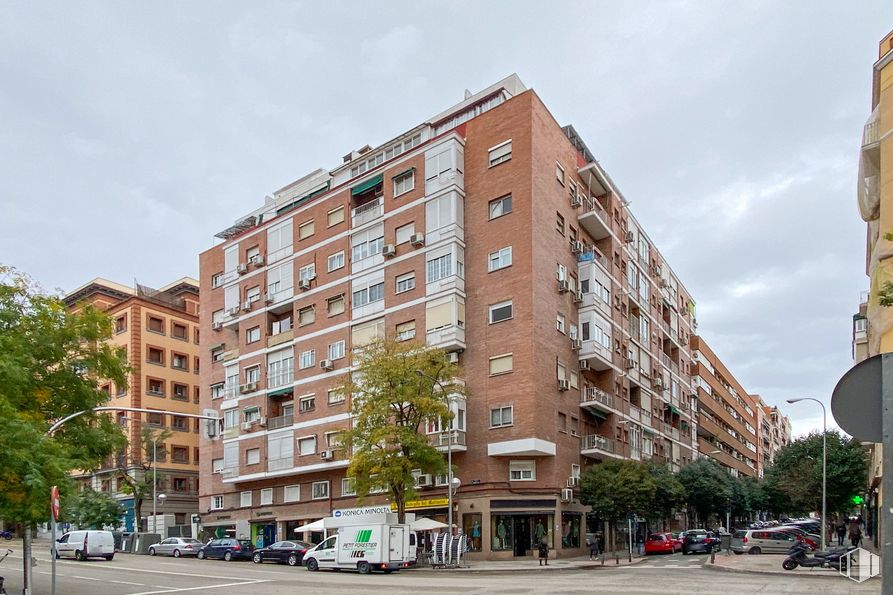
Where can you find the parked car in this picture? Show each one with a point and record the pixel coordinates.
(661, 543)
(176, 547)
(760, 541)
(86, 544)
(699, 540)
(227, 549)
(678, 538)
(283, 552)
(811, 539)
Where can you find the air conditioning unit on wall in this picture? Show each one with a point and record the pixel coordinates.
(567, 494)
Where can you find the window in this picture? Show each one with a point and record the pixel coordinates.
(335, 396)
(368, 243)
(559, 173)
(230, 418)
(217, 280)
(245, 499)
(217, 503)
(500, 206)
(306, 404)
(179, 423)
(252, 456)
(575, 426)
(280, 280)
(336, 350)
(562, 422)
(406, 331)
(179, 361)
(308, 359)
(252, 335)
(335, 216)
(501, 416)
(179, 331)
(405, 282)
(307, 272)
(442, 211)
(368, 295)
(306, 229)
(335, 261)
(179, 454)
(347, 487)
(120, 324)
(266, 496)
(320, 490)
(251, 414)
(253, 294)
(362, 334)
(217, 466)
(155, 325)
(280, 326)
(291, 493)
(439, 268)
(155, 356)
(522, 470)
(180, 392)
(252, 374)
(333, 440)
(561, 272)
(500, 259)
(404, 182)
(306, 316)
(501, 311)
(335, 305)
(307, 446)
(559, 223)
(501, 364)
(155, 387)
(500, 153)
(405, 232)
(560, 323)
(860, 325)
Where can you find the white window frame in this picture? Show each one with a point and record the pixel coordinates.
(499, 153)
(404, 233)
(502, 409)
(408, 281)
(498, 357)
(217, 465)
(400, 185)
(439, 268)
(522, 470)
(252, 456)
(499, 259)
(307, 359)
(336, 350)
(303, 407)
(493, 307)
(296, 493)
(501, 201)
(307, 439)
(374, 292)
(245, 499)
(266, 496)
(216, 502)
(302, 235)
(317, 492)
(332, 212)
(335, 261)
(348, 486)
(561, 323)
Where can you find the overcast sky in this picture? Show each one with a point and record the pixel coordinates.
(130, 133)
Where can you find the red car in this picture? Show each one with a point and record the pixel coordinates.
(661, 543)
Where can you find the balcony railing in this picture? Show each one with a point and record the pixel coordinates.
(280, 464)
(443, 438)
(230, 472)
(596, 442)
(283, 378)
(870, 133)
(367, 212)
(283, 421)
(594, 394)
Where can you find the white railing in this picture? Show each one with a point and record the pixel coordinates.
(367, 212)
(281, 378)
(592, 393)
(594, 441)
(280, 464)
(870, 133)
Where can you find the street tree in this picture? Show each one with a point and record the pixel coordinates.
(93, 510)
(50, 361)
(795, 476)
(138, 477)
(397, 389)
(669, 493)
(617, 488)
(708, 487)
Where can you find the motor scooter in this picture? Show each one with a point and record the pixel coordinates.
(2, 589)
(797, 556)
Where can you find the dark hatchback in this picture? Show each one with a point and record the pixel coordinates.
(283, 552)
(227, 549)
(698, 540)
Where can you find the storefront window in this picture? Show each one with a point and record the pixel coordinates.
(570, 529)
(471, 525)
(501, 532)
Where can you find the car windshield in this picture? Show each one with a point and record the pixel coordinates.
(740, 534)
(655, 537)
(696, 533)
(303, 545)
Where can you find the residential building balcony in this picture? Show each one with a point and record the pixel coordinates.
(592, 397)
(230, 472)
(594, 219)
(597, 447)
(365, 213)
(282, 421)
(280, 338)
(598, 356)
(871, 133)
(448, 338)
(280, 463)
(283, 378)
(441, 441)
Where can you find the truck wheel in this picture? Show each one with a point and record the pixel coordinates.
(228, 556)
(312, 565)
(364, 568)
(292, 560)
(110, 557)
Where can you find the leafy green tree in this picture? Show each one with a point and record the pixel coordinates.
(616, 488)
(396, 389)
(138, 479)
(94, 510)
(795, 476)
(50, 363)
(669, 493)
(708, 487)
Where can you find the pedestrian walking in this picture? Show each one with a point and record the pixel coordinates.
(544, 553)
(841, 532)
(855, 534)
(592, 542)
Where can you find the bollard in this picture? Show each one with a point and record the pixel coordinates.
(712, 556)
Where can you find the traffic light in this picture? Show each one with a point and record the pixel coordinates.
(857, 500)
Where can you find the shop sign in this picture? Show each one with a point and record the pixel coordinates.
(363, 511)
(430, 503)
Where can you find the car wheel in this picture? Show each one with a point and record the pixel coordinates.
(312, 565)
(755, 550)
(228, 556)
(78, 555)
(292, 560)
(151, 551)
(789, 564)
(364, 567)
(176, 553)
(738, 553)
(684, 552)
(257, 558)
(201, 555)
(110, 557)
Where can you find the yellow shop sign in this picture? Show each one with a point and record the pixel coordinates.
(416, 504)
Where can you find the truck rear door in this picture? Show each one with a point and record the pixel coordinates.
(397, 546)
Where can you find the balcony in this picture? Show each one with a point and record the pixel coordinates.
(595, 398)
(230, 355)
(635, 413)
(448, 338)
(280, 338)
(283, 421)
(441, 441)
(229, 473)
(370, 211)
(598, 356)
(597, 447)
(595, 220)
(280, 379)
(871, 133)
(280, 464)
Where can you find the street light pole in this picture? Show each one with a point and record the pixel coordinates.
(450, 400)
(154, 481)
(824, 464)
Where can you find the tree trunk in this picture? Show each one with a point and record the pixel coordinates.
(400, 501)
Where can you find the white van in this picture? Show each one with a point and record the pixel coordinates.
(371, 542)
(86, 544)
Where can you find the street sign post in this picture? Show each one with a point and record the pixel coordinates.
(862, 404)
(54, 508)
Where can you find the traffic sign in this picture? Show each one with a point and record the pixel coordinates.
(856, 400)
(54, 502)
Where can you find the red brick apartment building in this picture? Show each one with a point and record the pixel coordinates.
(489, 230)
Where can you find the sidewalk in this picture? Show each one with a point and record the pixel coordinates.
(766, 564)
(531, 565)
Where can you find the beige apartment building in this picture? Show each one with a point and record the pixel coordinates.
(873, 326)
(489, 230)
(727, 415)
(158, 331)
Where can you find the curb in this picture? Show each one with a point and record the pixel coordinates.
(716, 568)
(554, 568)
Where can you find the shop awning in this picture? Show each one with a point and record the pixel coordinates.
(426, 525)
(315, 526)
(405, 171)
(367, 185)
(281, 391)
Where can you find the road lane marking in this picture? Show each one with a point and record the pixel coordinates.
(86, 578)
(181, 590)
(112, 566)
(126, 583)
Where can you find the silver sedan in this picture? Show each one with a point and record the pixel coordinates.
(176, 547)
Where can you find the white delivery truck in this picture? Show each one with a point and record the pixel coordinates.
(365, 542)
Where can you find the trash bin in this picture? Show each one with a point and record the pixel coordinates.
(726, 542)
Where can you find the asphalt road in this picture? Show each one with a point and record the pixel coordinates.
(144, 575)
